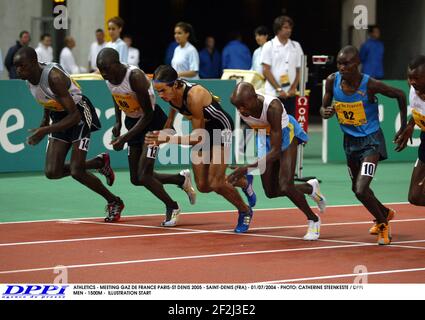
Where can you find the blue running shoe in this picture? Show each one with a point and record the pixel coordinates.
(249, 191)
(244, 221)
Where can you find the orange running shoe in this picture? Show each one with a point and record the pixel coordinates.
(375, 229)
(384, 236)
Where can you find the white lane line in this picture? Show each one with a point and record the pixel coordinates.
(220, 255)
(191, 231)
(230, 232)
(98, 238)
(350, 275)
(410, 241)
(334, 224)
(195, 213)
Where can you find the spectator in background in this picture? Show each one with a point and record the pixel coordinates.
(281, 59)
(44, 50)
(95, 48)
(24, 41)
(115, 26)
(67, 60)
(133, 53)
(169, 53)
(210, 60)
(372, 54)
(186, 58)
(236, 55)
(261, 36)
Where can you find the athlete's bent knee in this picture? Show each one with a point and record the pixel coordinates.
(285, 189)
(77, 173)
(135, 181)
(270, 194)
(217, 186)
(144, 180)
(361, 193)
(53, 174)
(203, 187)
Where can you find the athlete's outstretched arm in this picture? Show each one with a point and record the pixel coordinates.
(140, 85)
(46, 118)
(197, 99)
(59, 84)
(375, 87)
(405, 136)
(170, 120)
(116, 131)
(327, 111)
(196, 102)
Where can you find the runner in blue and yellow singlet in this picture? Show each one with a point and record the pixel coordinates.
(351, 95)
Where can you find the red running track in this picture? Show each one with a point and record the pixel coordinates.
(203, 249)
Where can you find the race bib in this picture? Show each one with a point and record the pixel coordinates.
(127, 103)
(351, 113)
(52, 105)
(84, 144)
(284, 80)
(226, 138)
(152, 152)
(419, 119)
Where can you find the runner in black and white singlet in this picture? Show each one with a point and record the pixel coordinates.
(134, 95)
(416, 77)
(69, 119)
(211, 137)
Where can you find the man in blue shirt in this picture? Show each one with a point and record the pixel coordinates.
(210, 60)
(236, 55)
(24, 41)
(372, 54)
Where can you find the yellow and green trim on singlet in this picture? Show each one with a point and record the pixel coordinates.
(127, 103)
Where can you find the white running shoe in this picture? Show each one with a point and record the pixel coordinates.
(317, 196)
(171, 217)
(188, 187)
(313, 233)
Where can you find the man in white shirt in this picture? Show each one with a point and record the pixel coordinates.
(281, 60)
(67, 60)
(95, 48)
(133, 53)
(44, 50)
